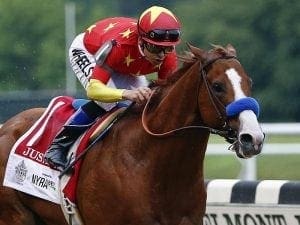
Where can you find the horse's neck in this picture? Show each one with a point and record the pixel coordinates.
(179, 105)
(179, 108)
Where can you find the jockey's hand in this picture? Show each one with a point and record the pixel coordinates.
(139, 95)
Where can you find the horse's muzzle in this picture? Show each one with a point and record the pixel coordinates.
(247, 146)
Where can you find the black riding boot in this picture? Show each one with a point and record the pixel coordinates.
(56, 155)
(80, 121)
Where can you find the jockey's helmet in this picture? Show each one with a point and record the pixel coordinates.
(159, 26)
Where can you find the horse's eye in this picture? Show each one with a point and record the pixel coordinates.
(218, 87)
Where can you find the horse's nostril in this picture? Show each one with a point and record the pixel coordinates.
(246, 139)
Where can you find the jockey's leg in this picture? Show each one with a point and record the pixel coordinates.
(82, 119)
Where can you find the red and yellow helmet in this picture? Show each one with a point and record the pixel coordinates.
(159, 26)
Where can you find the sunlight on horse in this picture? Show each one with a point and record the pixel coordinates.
(150, 167)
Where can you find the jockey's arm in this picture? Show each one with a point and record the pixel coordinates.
(98, 91)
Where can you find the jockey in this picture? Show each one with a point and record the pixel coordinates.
(110, 60)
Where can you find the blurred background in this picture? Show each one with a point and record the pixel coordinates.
(35, 36)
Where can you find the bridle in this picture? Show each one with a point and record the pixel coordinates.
(226, 131)
(212, 97)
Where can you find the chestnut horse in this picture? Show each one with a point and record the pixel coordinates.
(148, 170)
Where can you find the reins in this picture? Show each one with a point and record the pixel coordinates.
(173, 131)
(225, 132)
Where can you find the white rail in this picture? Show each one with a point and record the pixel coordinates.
(249, 167)
(281, 128)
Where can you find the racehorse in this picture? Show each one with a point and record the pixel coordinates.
(148, 170)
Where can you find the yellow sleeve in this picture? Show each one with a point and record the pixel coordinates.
(98, 91)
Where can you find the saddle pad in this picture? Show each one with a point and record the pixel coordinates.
(26, 169)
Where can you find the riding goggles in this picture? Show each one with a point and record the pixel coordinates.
(156, 49)
(163, 35)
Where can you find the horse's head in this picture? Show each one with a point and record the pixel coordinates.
(225, 92)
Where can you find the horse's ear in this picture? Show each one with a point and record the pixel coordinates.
(231, 49)
(191, 47)
(197, 52)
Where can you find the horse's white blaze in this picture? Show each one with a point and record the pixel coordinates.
(248, 120)
(235, 80)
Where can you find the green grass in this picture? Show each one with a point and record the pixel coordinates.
(283, 139)
(278, 167)
(221, 167)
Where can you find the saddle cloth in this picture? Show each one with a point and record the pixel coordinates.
(27, 171)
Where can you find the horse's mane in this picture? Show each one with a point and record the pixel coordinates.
(193, 55)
